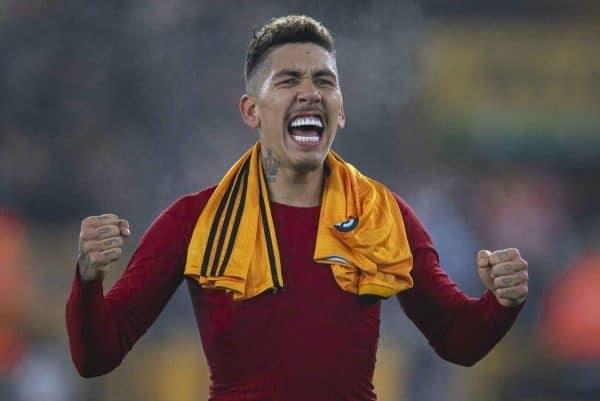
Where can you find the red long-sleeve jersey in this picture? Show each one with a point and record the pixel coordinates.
(310, 341)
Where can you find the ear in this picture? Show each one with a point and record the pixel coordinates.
(341, 118)
(249, 111)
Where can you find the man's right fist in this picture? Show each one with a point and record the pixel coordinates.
(100, 243)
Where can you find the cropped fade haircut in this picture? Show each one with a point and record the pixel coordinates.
(279, 31)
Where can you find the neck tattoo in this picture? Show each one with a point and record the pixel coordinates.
(270, 166)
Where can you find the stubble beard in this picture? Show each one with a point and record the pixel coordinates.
(306, 166)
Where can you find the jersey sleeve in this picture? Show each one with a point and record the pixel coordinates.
(103, 328)
(461, 329)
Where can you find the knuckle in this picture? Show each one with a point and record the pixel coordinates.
(112, 252)
(111, 242)
(95, 246)
(511, 268)
(88, 220)
(105, 231)
(501, 269)
(86, 247)
(508, 254)
(102, 258)
(89, 234)
(108, 217)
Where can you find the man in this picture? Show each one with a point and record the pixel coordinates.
(287, 259)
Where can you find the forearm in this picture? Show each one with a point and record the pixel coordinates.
(102, 329)
(473, 329)
(94, 340)
(462, 330)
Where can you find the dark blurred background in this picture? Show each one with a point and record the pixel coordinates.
(483, 115)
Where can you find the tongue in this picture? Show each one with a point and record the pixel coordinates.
(304, 132)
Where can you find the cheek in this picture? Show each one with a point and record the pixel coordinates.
(334, 102)
(272, 124)
(272, 114)
(270, 127)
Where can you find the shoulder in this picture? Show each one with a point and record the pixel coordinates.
(415, 229)
(407, 211)
(408, 214)
(190, 205)
(177, 221)
(181, 215)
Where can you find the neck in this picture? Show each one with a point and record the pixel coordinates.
(296, 189)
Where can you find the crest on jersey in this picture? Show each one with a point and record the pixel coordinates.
(348, 225)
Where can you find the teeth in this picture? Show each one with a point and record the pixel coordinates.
(301, 121)
(305, 138)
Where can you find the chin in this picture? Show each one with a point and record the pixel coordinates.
(307, 165)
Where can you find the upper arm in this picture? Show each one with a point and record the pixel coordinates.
(461, 329)
(434, 297)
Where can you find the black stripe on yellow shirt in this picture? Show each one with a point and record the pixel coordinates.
(236, 222)
(268, 240)
(228, 200)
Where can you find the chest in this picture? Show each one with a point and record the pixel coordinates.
(310, 308)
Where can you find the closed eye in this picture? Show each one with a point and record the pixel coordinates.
(325, 82)
(289, 82)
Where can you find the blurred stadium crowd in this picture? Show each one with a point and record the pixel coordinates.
(483, 116)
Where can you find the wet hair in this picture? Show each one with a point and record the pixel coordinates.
(280, 31)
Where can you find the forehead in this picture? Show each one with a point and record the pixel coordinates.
(300, 56)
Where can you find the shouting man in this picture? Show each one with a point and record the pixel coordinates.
(287, 259)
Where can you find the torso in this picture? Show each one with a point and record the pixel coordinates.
(310, 341)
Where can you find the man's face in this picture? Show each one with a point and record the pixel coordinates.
(299, 105)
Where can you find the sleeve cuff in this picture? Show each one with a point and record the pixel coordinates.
(86, 290)
(502, 314)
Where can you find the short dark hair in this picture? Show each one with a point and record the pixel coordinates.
(282, 30)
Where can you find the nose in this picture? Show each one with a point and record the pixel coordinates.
(309, 93)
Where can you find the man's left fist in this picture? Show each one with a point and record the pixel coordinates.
(505, 274)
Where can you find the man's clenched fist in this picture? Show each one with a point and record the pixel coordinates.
(505, 274)
(100, 243)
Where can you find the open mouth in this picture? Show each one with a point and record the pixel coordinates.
(306, 130)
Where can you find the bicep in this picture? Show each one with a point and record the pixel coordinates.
(434, 298)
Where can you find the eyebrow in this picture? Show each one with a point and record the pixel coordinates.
(298, 74)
